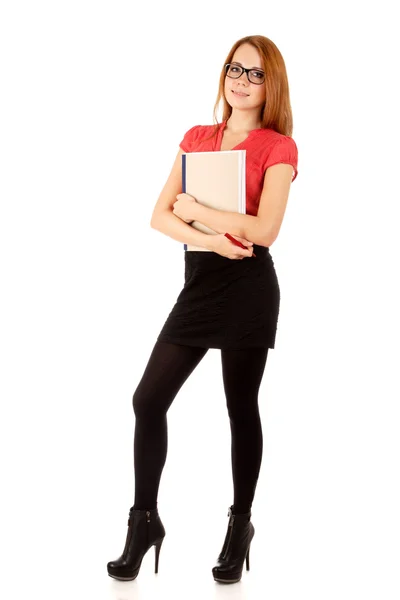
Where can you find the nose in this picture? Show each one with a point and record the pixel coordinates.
(243, 75)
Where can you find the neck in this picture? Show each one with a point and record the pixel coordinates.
(242, 123)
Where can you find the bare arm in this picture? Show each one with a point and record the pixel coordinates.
(274, 198)
(174, 227)
(262, 229)
(163, 218)
(246, 226)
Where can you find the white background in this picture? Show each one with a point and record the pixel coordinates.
(96, 97)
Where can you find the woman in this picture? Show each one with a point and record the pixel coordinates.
(230, 299)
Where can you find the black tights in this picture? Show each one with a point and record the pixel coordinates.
(168, 368)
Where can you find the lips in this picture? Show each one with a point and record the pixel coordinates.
(239, 93)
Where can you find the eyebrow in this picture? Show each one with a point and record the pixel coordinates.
(235, 62)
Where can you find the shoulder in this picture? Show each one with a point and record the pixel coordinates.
(269, 138)
(196, 134)
(274, 148)
(270, 142)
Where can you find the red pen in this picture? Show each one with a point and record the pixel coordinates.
(237, 242)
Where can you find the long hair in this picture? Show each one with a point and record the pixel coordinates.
(276, 113)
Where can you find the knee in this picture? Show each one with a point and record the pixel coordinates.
(138, 404)
(146, 406)
(242, 410)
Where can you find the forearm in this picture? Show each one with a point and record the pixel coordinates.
(245, 226)
(178, 230)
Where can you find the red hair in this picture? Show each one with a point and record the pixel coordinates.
(276, 113)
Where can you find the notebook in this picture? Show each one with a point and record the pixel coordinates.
(217, 180)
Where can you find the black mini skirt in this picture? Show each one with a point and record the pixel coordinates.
(225, 303)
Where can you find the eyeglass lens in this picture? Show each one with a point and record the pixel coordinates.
(235, 71)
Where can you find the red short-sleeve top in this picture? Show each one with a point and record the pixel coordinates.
(264, 148)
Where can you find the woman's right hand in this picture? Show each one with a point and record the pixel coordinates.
(223, 246)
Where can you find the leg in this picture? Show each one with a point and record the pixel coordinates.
(168, 368)
(242, 374)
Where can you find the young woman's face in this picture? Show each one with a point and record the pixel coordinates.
(248, 57)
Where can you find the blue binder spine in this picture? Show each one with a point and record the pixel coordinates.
(184, 183)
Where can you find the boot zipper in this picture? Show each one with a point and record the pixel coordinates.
(147, 528)
(231, 520)
(129, 535)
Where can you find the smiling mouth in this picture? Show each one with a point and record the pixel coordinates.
(239, 93)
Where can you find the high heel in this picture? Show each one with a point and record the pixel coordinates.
(157, 548)
(145, 529)
(235, 549)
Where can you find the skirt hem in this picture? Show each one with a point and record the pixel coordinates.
(214, 345)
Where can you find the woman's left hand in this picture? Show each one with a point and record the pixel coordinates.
(183, 207)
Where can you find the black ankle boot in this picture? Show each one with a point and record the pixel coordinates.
(145, 529)
(236, 548)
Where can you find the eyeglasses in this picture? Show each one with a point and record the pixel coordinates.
(253, 75)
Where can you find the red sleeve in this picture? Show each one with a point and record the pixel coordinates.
(284, 151)
(190, 136)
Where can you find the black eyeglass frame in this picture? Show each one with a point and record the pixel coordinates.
(243, 70)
